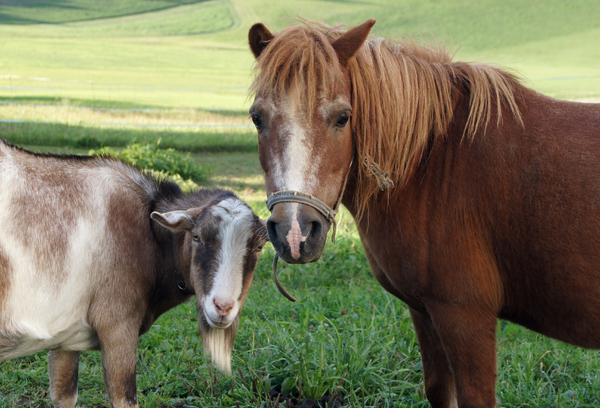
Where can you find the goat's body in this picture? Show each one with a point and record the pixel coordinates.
(57, 241)
(83, 266)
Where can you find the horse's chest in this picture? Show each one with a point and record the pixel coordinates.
(395, 265)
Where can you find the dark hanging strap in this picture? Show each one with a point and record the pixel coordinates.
(181, 283)
(283, 291)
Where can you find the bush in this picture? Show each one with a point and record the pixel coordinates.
(164, 161)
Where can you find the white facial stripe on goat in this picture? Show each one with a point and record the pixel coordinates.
(234, 231)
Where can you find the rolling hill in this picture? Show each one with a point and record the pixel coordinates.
(186, 53)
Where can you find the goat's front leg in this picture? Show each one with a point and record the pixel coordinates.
(64, 369)
(119, 363)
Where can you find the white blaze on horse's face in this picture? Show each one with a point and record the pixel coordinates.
(301, 161)
(308, 152)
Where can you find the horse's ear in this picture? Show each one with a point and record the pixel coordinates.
(259, 37)
(348, 44)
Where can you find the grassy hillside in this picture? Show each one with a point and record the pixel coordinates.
(345, 336)
(57, 12)
(193, 54)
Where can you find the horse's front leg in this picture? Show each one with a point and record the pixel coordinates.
(439, 380)
(64, 369)
(467, 335)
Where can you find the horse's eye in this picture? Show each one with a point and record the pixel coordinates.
(342, 120)
(257, 120)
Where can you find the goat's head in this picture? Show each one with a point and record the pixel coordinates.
(221, 246)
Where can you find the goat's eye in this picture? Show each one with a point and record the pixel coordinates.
(196, 238)
(342, 120)
(257, 120)
(259, 248)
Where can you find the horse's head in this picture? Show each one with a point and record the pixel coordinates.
(303, 113)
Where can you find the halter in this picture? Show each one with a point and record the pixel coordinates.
(329, 213)
(292, 196)
(383, 181)
(307, 199)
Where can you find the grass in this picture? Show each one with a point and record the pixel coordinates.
(169, 71)
(59, 135)
(345, 337)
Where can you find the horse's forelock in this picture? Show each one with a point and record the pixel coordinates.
(299, 65)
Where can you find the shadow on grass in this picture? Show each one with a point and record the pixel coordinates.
(106, 105)
(44, 134)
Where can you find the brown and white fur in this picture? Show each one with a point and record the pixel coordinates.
(92, 251)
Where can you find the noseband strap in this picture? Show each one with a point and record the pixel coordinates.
(292, 196)
(326, 211)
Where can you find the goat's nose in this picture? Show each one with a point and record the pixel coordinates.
(223, 306)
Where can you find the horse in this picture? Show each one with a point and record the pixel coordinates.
(475, 197)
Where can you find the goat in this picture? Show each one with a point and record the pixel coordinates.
(92, 251)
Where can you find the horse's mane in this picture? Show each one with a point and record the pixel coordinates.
(402, 94)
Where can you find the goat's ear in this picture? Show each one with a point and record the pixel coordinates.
(176, 221)
(258, 38)
(348, 44)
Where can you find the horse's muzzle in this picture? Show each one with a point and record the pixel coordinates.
(298, 232)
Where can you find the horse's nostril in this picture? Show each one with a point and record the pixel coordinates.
(272, 231)
(314, 229)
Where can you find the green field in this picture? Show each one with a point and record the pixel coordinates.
(194, 54)
(77, 75)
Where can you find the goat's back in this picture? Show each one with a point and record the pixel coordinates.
(71, 229)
